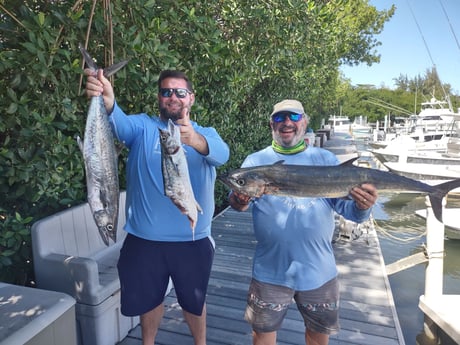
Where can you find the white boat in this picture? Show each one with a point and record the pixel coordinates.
(433, 121)
(444, 151)
(358, 129)
(430, 127)
(451, 221)
(339, 124)
(424, 171)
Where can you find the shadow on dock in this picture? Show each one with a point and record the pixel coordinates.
(367, 314)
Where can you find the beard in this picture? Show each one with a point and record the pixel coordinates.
(172, 110)
(288, 142)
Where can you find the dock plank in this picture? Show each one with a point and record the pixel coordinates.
(367, 314)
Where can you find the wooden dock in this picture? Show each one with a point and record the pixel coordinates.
(367, 314)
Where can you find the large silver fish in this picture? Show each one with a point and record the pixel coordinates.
(101, 161)
(176, 178)
(327, 181)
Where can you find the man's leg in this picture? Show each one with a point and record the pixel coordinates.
(315, 338)
(150, 322)
(320, 311)
(268, 338)
(197, 325)
(190, 264)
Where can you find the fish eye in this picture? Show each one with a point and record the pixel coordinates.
(109, 227)
(240, 182)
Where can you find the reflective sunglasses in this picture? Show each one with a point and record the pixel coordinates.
(281, 117)
(180, 93)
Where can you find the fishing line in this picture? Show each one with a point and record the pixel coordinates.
(450, 25)
(429, 53)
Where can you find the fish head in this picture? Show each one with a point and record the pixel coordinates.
(106, 222)
(245, 181)
(169, 140)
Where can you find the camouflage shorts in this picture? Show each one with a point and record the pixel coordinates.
(268, 304)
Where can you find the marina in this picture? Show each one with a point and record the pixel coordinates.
(400, 220)
(402, 233)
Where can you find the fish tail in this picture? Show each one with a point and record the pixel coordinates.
(108, 71)
(439, 193)
(436, 205)
(88, 59)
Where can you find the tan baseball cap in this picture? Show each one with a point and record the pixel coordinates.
(288, 105)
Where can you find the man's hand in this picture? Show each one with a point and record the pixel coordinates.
(189, 136)
(238, 201)
(365, 196)
(97, 84)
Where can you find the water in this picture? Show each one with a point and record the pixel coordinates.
(401, 233)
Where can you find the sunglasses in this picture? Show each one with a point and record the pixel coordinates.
(180, 93)
(281, 117)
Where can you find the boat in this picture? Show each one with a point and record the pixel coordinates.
(425, 171)
(450, 218)
(357, 129)
(429, 128)
(339, 124)
(443, 151)
(433, 121)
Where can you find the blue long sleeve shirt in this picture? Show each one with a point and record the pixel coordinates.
(294, 235)
(149, 213)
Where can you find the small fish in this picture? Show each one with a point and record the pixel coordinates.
(176, 178)
(101, 161)
(327, 182)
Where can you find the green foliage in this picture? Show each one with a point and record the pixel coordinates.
(15, 264)
(243, 56)
(406, 99)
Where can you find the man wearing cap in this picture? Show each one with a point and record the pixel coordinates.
(294, 258)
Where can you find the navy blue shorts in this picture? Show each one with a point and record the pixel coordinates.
(145, 267)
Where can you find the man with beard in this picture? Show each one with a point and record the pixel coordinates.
(294, 258)
(159, 243)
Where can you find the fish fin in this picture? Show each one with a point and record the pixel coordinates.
(198, 207)
(111, 70)
(108, 71)
(436, 205)
(80, 143)
(348, 162)
(440, 192)
(88, 59)
(279, 162)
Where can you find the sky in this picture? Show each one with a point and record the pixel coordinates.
(411, 45)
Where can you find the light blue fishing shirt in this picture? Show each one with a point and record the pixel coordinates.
(149, 213)
(294, 235)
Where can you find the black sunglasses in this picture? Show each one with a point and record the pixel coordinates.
(180, 92)
(281, 117)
